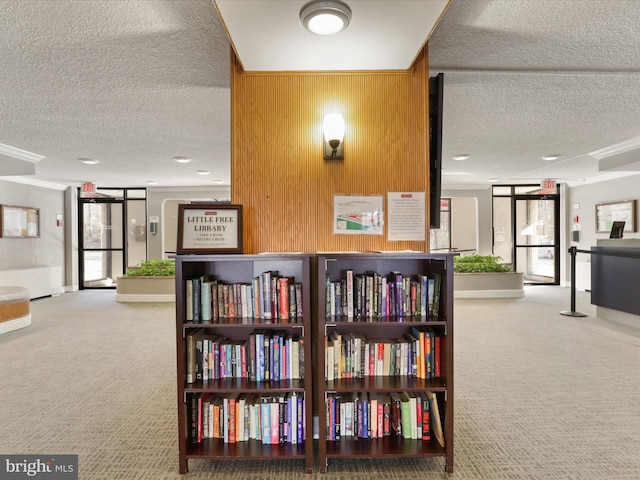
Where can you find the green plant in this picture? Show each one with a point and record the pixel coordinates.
(479, 264)
(153, 268)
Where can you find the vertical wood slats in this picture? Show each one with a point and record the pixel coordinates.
(277, 166)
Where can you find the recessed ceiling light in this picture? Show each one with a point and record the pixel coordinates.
(218, 181)
(182, 159)
(461, 156)
(325, 18)
(151, 182)
(553, 156)
(88, 161)
(493, 180)
(203, 172)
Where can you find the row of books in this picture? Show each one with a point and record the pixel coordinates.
(361, 297)
(263, 356)
(418, 354)
(232, 418)
(269, 297)
(409, 415)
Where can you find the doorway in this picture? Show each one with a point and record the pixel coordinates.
(112, 235)
(526, 231)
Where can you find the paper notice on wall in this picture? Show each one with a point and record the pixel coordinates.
(406, 216)
(354, 214)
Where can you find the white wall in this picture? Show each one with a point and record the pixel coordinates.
(157, 196)
(49, 248)
(585, 198)
(464, 224)
(483, 208)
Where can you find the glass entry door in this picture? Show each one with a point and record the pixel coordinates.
(101, 242)
(537, 239)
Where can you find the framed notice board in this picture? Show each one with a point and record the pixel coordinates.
(209, 228)
(624, 211)
(19, 222)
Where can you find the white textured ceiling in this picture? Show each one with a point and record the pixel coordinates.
(527, 78)
(135, 83)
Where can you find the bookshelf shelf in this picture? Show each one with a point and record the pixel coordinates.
(245, 385)
(252, 449)
(384, 334)
(236, 336)
(383, 447)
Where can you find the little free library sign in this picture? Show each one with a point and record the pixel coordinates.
(209, 228)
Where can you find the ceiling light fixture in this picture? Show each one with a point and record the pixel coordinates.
(151, 182)
(182, 159)
(325, 18)
(461, 156)
(203, 172)
(548, 158)
(88, 161)
(218, 182)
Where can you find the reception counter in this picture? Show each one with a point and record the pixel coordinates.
(615, 280)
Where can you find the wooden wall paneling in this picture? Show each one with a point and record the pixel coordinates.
(277, 167)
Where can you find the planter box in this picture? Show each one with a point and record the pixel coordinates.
(488, 285)
(145, 289)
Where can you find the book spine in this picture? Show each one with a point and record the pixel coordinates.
(266, 294)
(301, 418)
(265, 420)
(274, 427)
(275, 299)
(188, 300)
(284, 299)
(191, 358)
(193, 429)
(299, 302)
(293, 313)
(196, 304)
(205, 300)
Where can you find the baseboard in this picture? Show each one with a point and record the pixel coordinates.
(488, 293)
(15, 324)
(139, 297)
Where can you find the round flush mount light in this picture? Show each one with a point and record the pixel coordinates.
(151, 182)
(553, 156)
(182, 159)
(461, 156)
(88, 161)
(325, 18)
(203, 172)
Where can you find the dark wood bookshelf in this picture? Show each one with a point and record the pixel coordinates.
(383, 328)
(252, 449)
(383, 447)
(242, 384)
(232, 269)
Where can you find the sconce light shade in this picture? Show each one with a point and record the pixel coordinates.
(333, 130)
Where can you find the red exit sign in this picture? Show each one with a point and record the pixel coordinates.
(88, 187)
(548, 184)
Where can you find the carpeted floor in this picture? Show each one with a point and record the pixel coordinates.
(538, 395)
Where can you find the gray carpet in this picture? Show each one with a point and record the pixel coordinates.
(538, 395)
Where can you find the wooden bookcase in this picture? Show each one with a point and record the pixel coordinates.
(229, 270)
(377, 329)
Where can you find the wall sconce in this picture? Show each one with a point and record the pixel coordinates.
(333, 130)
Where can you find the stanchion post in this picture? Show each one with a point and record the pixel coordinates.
(572, 313)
